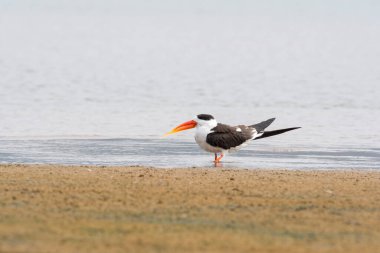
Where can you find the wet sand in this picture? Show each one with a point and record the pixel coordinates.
(51, 208)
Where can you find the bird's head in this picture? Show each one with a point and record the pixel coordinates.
(201, 120)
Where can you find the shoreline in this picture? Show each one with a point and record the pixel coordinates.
(211, 167)
(71, 208)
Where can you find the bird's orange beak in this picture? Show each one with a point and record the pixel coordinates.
(184, 126)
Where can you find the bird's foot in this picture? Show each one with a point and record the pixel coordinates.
(217, 159)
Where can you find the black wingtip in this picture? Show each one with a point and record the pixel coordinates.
(270, 121)
(262, 125)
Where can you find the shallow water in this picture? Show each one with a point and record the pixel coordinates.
(173, 153)
(121, 74)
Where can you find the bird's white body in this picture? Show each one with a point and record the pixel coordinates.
(200, 138)
(201, 131)
(203, 128)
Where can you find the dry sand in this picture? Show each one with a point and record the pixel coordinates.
(52, 208)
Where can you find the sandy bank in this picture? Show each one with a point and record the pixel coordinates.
(134, 209)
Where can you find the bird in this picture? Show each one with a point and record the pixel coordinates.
(220, 139)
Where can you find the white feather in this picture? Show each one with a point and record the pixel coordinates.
(202, 130)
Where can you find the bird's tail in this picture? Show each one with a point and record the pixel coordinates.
(275, 132)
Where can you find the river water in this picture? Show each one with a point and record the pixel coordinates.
(90, 82)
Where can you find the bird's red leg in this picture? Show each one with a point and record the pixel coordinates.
(220, 158)
(217, 159)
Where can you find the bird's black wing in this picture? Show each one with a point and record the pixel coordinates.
(226, 137)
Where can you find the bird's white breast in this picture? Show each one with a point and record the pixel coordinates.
(201, 136)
